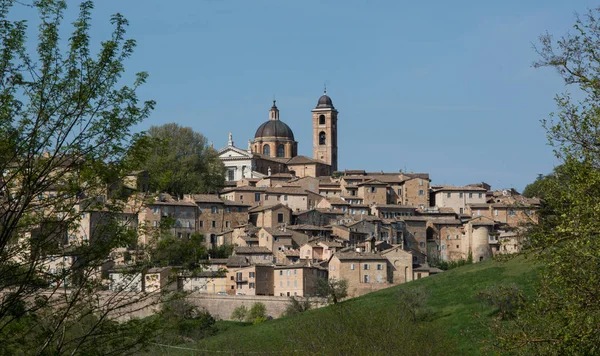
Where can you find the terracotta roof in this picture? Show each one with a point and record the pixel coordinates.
(372, 182)
(280, 175)
(277, 233)
(446, 188)
(304, 160)
(363, 256)
(207, 198)
(235, 203)
(331, 243)
(336, 201)
(393, 206)
(244, 188)
(237, 261)
(482, 220)
(412, 218)
(307, 227)
(286, 190)
(292, 253)
(248, 250)
(446, 221)
(260, 208)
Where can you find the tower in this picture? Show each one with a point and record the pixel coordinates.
(325, 132)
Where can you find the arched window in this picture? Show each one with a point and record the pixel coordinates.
(280, 151)
(321, 138)
(266, 150)
(322, 120)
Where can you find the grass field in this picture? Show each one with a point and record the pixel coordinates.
(454, 321)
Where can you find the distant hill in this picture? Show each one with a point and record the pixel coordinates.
(452, 321)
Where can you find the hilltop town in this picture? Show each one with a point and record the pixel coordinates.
(291, 220)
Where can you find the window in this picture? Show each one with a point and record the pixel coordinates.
(478, 212)
(295, 283)
(251, 285)
(295, 271)
(420, 182)
(422, 244)
(421, 192)
(155, 210)
(511, 212)
(251, 274)
(322, 120)
(449, 195)
(399, 191)
(280, 151)
(379, 267)
(227, 223)
(470, 195)
(266, 150)
(366, 266)
(372, 189)
(256, 196)
(285, 197)
(281, 273)
(321, 138)
(241, 197)
(155, 223)
(230, 175)
(227, 210)
(496, 212)
(460, 195)
(201, 223)
(480, 195)
(352, 266)
(213, 223)
(460, 210)
(189, 224)
(280, 218)
(367, 279)
(213, 209)
(179, 235)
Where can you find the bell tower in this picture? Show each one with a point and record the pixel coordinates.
(325, 132)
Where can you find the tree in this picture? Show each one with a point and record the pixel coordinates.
(181, 162)
(563, 317)
(333, 289)
(239, 313)
(257, 313)
(297, 306)
(65, 135)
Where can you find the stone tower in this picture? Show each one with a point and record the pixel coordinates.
(325, 132)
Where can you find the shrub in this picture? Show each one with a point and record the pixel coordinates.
(239, 313)
(256, 313)
(296, 306)
(507, 299)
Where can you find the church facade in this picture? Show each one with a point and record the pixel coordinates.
(275, 150)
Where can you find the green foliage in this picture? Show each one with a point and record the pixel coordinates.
(223, 251)
(413, 302)
(181, 162)
(239, 313)
(452, 314)
(257, 313)
(174, 251)
(333, 289)
(65, 136)
(563, 317)
(445, 265)
(507, 299)
(180, 320)
(297, 306)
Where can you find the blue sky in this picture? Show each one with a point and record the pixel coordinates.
(443, 87)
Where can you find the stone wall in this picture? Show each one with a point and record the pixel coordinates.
(221, 306)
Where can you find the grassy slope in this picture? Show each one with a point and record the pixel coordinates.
(452, 300)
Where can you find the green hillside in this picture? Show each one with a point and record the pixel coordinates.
(452, 321)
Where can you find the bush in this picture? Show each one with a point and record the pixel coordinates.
(332, 289)
(296, 306)
(507, 299)
(239, 313)
(257, 314)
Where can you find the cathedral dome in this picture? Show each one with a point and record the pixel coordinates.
(324, 102)
(274, 128)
